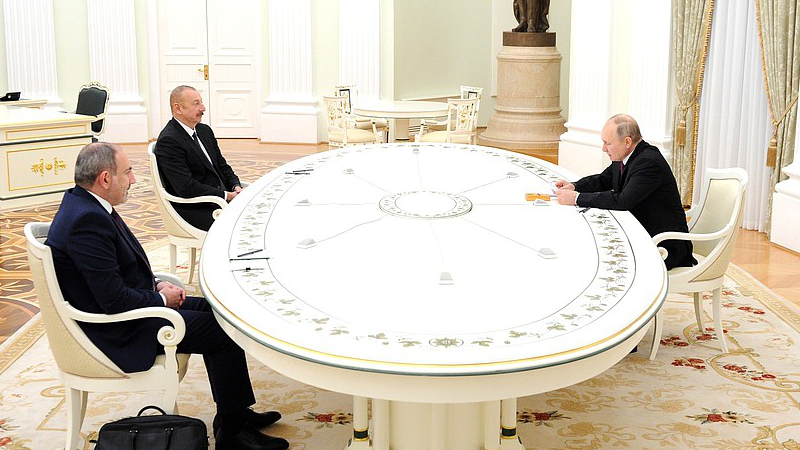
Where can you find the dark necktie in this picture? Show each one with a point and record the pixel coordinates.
(132, 241)
(208, 157)
(621, 167)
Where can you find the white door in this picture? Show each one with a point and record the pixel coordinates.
(232, 50)
(212, 45)
(184, 49)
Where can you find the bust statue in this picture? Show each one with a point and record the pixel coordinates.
(531, 15)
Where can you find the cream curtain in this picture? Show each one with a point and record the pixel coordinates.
(779, 32)
(691, 24)
(734, 117)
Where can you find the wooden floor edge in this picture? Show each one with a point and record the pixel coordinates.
(782, 307)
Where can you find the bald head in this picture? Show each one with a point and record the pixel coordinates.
(626, 127)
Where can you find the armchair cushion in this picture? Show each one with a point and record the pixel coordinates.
(354, 135)
(441, 136)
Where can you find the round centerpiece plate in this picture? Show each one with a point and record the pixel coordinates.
(425, 204)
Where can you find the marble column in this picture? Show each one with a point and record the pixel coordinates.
(31, 50)
(590, 76)
(359, 46)
(290, 114)
(112, 63)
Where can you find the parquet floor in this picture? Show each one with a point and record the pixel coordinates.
(775, 267)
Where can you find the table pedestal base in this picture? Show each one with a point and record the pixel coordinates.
(438, 426)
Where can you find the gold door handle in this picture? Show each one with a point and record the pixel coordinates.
(205, 71)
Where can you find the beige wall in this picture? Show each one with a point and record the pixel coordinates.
(438, 46)
(451, 44)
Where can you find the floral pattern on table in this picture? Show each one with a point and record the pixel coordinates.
(611, 281)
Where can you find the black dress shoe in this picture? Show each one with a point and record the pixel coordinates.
(261, 420)
(248, 438)
(256, 419)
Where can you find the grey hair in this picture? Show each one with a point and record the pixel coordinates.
(177, 93)
(92, 160)
(626, 127)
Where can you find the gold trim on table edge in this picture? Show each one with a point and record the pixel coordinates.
(662, 291)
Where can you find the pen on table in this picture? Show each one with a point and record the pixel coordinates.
(249, 253)
(583, 210)
(298, 173)
(247, 269)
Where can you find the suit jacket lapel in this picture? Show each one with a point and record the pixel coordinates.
(192, 144)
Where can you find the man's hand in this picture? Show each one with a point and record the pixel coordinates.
(565, 185)
(175, 296)
(566, 196)
(237, 189)
(232, 195)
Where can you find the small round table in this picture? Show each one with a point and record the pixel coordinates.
(418, 276)
(401, 111)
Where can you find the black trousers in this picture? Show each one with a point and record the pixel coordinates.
(225, 361)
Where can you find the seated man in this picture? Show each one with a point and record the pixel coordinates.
(638, 180)
(103, 269)
(190, 160)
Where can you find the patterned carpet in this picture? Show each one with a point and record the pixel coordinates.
(17, 299)
(691, 397)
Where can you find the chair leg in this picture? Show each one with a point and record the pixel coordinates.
(170, 405)
(658, 328)
(192, 258)
(173, 258)
(698, 312)
(718, 320)
(76, 409)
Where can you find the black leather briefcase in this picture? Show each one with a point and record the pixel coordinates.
(165, 431)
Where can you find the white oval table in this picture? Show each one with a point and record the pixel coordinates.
(417, 275)
(400, 111)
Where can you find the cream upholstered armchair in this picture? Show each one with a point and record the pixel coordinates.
(459, 124)
(362, 123)
(179, 231)
(713, 226)
(83, 368)
(466, 92)
(341, 126)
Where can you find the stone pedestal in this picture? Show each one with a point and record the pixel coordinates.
(527, 117)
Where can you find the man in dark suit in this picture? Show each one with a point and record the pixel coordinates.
(103, 269)
(190, 160)
(638, 180)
